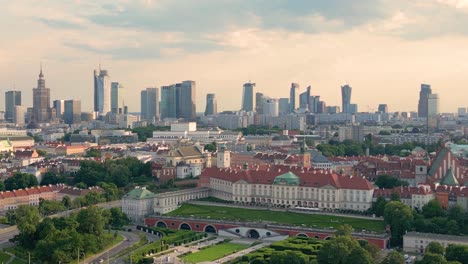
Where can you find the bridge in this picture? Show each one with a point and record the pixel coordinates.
(256, 230)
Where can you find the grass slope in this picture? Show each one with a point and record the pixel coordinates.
(214, 252)
(309, 220)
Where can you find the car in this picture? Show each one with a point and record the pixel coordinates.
(129, 230)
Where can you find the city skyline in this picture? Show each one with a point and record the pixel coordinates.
(391, 47)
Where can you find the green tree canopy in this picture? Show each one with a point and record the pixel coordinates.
(394, 257)
(359, 255)
(435, 247)
(20, 181)
(389, 182)
(456, 253)
(336, 250)
(399, 216)
(433, 209)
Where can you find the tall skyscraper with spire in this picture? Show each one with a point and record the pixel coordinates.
(102, 92)
(423, 97)
(41, 111)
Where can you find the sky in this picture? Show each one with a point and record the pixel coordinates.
(384, 49)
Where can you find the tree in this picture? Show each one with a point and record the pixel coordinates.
(27, 219)
(389, 182)
(431, 258)
(359, 255)
(344, 230)
(41, 152)
(435, 247)
(93, 153)
(67, 202)
(20, 181)
(394, 257)
(336, 250)
(52, 178)
(399, 216)
(2, 186)
(395, 196)
(286, 257)
(210, 147)
(91, 221)
(50, 207)
(117, 218)
(456, 253)
(378, 207)
(432, 209)
(374, 251)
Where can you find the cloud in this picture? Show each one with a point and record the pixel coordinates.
(60, 23)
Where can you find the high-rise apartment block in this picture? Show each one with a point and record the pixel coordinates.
(346, 91)
(423, 97)
(293, 97)
(117, 98)
(12, 99)
(248, 97)
(211, 105)
(41, 111)
(102, 92)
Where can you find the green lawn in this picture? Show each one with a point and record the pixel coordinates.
(214, 252)
(4, 257)
(309, 220)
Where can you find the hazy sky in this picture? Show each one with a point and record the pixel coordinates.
(383, 48)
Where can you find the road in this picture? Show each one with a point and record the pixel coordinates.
(131, 238)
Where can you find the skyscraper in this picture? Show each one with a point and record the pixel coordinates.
(423, 96)
(270, 107)
(383, 108)
(248, 97)
(143, 104)
(41, 111)
(168, 101)
(72, 112)
(19, 115)
(186, 94)
(102, 92)
(211, 105)
(283, 106)
(346, 98)
(12, 99)
(304, 99)
(152, 104)
(117, 98)
(59, 106)
(259, 103)
(432, 111)
(293, 97)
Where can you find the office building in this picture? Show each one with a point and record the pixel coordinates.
(270, 107)
(383, 108)
(117, 98)
(19, 115)
(283, 106)
(143, 104)
(59, 106)
(293, 97)
(432, 111)
(102, 92)
(168, 102)
(314, 104)
(211, 105)
(423, 97)
(353, 109)
(304, 99)
(186, 94)
(346, 91)
(321, 107)
(41, 111)
(461, 111)
(259, 97)
(72, 112)
(12, 99)
(333, 109)
(150, 100)
(248, 97)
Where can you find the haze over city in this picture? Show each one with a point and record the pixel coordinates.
(383, 49)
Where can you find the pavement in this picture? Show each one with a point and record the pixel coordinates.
(131, 238)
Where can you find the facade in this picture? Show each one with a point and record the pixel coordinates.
(102, 92)
(283, 106)
(72, 113)
(12, 99)
(248, 97)
(150, 104)
(19, 115)
(432, 111)
(288, 186)
(41, 112)
(383, 108)
(59, 106)
(168, 102)
(304, 99)
(186, 104)
(211, 105)
(423, 96)
(270, 107)
(414, 242)
(346, 91)
(117, 98)
(259, 97)
(293, 97)
(10, 200)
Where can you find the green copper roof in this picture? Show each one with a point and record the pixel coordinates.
(288, 178)
(140, 193)
(438, 161)
(449, 179)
